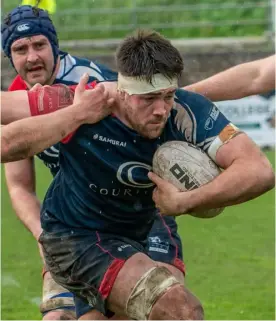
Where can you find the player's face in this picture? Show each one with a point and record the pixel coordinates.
(33, 59)
(148, 113)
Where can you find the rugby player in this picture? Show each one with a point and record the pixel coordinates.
(30, 41)
(99, 210)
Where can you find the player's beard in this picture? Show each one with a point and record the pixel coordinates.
(149, 130)
(41, 76)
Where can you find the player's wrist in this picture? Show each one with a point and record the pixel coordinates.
(78, 115)
(36, 233)
(197, 198)
(184, 206)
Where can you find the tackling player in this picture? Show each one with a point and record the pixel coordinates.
(30, 41)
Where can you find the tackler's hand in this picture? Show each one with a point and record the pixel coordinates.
(94, 104)
(166, 196)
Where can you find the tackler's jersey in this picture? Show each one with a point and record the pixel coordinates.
(102, 183)
(70, 70)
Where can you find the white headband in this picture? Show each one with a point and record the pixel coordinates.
(138, 86)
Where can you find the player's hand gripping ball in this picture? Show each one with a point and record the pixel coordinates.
(186, 167)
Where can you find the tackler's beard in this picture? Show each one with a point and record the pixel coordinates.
(37, 73)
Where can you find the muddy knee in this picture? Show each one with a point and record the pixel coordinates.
(158, 295)
(184, 305)
(177, 303)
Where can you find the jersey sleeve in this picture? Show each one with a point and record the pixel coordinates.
(201, 123)
(47, 99)
(107, 73)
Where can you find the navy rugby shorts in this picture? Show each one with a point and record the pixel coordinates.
(87, 262)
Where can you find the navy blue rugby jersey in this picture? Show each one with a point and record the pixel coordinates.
(70, 70)
(102, 183)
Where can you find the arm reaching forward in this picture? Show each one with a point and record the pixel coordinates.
(27, 137)
(14, 106)
(251, 78)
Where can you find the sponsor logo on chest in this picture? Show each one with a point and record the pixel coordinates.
(109, 140)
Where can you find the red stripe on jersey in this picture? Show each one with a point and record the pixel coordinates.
(17, 84)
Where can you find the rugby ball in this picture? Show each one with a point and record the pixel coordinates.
(187, 167)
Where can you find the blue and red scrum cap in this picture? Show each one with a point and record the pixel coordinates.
(27, 21)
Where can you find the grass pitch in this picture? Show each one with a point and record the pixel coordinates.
(230, 260)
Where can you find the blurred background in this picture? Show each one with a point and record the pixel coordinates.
(95, 19)
(230, 259)
(211, 34)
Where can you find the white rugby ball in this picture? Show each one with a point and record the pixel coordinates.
(187, 167)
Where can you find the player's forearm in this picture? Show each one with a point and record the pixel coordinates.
(233, 85)
(27, 208)
(237, 184)
(27, 137)
(239, 81)
(14, 106)
(40, 100)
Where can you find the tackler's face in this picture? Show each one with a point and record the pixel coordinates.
(148, 113)
(33, 59)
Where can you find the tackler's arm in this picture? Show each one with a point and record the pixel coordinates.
(14, 106)
(25, 136)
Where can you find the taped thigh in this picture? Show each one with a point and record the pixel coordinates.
(55, 297)
(147, 290)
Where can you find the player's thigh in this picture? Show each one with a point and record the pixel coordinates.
(164, 245)
(87, 264)
(132, 271)
(179, 275)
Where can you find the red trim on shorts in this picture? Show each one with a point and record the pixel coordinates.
(111, 273)
(180, 265)
(176, 262)
(110, 277)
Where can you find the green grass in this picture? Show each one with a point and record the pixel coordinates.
(229, 259)
(86, 22)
